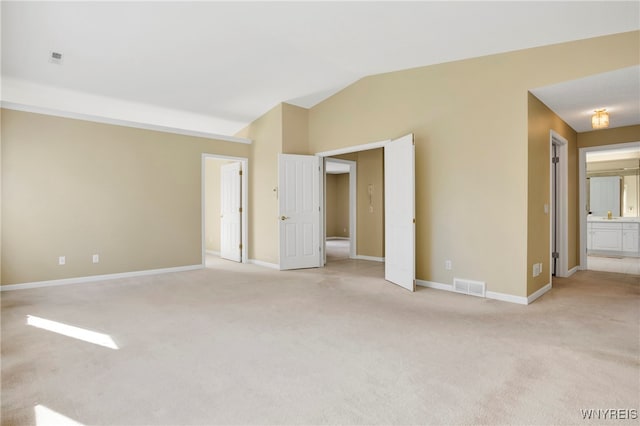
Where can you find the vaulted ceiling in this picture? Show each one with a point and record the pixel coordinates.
(213, 67)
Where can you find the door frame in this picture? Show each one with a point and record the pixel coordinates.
(332, 153)
(353, 217)
(244, 184)
(582, 191)
(562, 229)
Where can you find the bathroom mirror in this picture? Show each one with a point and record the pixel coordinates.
(613, 185)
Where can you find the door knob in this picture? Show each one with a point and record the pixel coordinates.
(284, 217)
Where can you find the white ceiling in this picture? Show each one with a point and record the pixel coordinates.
(213, 67)
(575, 101)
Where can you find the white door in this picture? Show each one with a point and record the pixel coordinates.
(399, 212)
(231, 211)
(299, 217)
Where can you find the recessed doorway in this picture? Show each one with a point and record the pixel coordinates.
(224, 207)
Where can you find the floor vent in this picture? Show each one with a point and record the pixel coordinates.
(474, 288)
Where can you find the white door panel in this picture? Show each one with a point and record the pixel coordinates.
(399, 193)
(231, 211)
(299, 201)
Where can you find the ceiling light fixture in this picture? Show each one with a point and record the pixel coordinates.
(600, 120)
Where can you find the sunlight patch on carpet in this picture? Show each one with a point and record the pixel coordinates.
(47, 417)
(71, 331)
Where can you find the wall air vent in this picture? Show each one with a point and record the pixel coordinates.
(474, 288)
(55, 57)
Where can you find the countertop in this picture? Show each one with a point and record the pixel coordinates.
(614, 219)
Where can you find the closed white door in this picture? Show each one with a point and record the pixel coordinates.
(399, 212)
(299, 211)
(231, 211)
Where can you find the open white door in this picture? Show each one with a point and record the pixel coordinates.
(399, 212)
(231, 211)
(299, 199)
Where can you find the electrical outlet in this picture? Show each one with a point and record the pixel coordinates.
(96, 258)
(447, 265)
(61, 260)
(537, 269)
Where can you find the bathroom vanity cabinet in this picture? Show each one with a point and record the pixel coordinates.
(620, 237)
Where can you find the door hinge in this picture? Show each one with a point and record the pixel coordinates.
(240, 209)
(240, 172)
(555, 160)
(414, 220)
(555, 255)
(240, 246)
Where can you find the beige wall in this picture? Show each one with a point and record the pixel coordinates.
(295, 129)
(370, 219)
(266, 134)
(337, 205)
(472, 155)
(541, 121)
(617, 165)
(78, 188)
(609, 136)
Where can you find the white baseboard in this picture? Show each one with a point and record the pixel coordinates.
(264, 264)
(573, 270)
(520, 300)
(94, 278)
(539, 293)
(337, 238)
(371, 258)
(213, 253)
(488, 294)
(437, 286)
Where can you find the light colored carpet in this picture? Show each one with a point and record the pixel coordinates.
(239, 344)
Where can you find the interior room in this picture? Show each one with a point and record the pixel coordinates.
(613, 192)
(131, 295)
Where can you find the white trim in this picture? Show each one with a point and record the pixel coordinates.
(337, 238)
(488, 294)
(264, 264)
(573, 270)
(213, 253)
(506, 297)
(582, 201)
(371, 258)
(350, 149)
(562, 221)
(93, 278)
(124, 123)
(435, 285)
(538, 293)
(245, 202)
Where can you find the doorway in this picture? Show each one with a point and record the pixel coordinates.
(340, 218)
(392, 199)
(609, 178)
(224, 207)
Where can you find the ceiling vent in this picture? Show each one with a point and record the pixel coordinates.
(55, 57)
